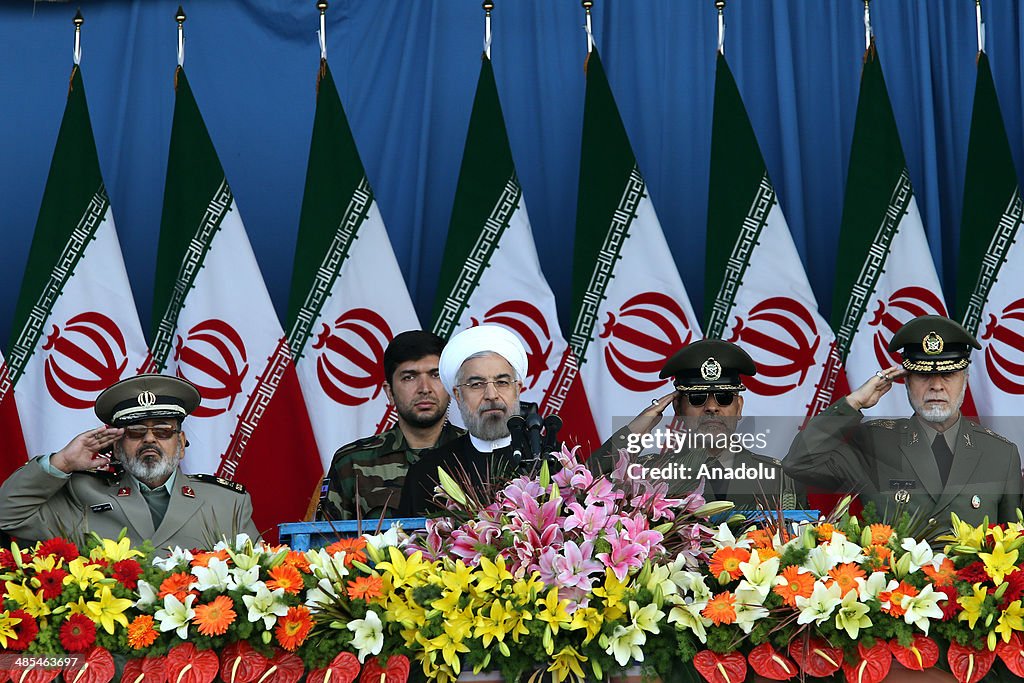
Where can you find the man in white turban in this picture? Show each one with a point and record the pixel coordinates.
(482, 368)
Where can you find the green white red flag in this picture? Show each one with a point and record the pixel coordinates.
(490, 272)
(630, 309)
(76, 330)
(215, 326)
(13, 442)
(348, 297)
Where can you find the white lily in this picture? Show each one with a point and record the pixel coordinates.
(889, 587)
(920, 553)
(688, 616)
(321, 596)
(646, 618)
(819, 561)
(748, 613)
(758, 575)
(852, 615)
(324, 566)
(267, 605)
(176, 615)
(213, 576)
(922, 607)
(843, 551)
(869, 588)
(147, 594)
(244, 579)
(661, 576)
(819, 607)
(625, 644)
(368, 635)
(383, 540)
(724, 537)
(178, 557)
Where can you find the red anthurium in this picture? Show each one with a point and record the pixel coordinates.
(967, 664)
(872, 664)
(815, 657)
(240, 663)
(768, 662)
(1012, 653)
(283, 667)
(343, 669)
(186, 664)
(396, 670)
(97, 667)
(35, 675)
(145, 670)
(922, 654)
(716, 668)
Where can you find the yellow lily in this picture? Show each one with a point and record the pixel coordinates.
(495, 624)
(492, 574)
(566, 664)
(108, 610)
(1012, 619)
(7, 624)
(404, 570)
(587, 618)
(999, 563)
(613, 591)
(972, 605)
(29, 600)
(82, 573)
(114, 551)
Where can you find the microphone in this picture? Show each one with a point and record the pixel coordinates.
(516, 427)
(534, 424)
(552, 423)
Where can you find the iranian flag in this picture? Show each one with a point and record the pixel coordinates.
(756, 291)
(630, 309)
(490, 272)
(348, 297)
(884, 271)
(990, 289)
(76, 330)
(14, 455)
(215, 326)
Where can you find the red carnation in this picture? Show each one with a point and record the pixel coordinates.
(973, 573)
(52, 582)
(950, 607)
(101, 561)
(127, 573)
(24, 632)
(7, 559)
(78, 633)
(1014, 588)
(61, 547)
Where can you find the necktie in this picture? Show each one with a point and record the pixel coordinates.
(943, 456)
(158, 500)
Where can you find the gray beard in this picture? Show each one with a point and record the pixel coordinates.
(488, 428)
(152, 474)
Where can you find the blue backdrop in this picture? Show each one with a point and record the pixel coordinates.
(407, 72)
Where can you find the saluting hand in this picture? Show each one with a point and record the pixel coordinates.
(651, 415)
(871, 392)
(83, 453)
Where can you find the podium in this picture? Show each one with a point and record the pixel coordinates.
(309, 535)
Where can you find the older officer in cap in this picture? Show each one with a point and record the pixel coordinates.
(933, 463)
(80, 489)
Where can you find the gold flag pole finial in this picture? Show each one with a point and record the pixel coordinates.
(720, 6)
(322, 6)
(78, 21)
(587, 5)
(179, 17)
(488, 7)
(981, 26)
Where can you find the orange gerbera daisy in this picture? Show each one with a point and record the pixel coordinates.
(798, 584)
(141, 632)
(214, 617)
(176, 585)
(297, 559)
(825, 531)
(877, 557)
(352, 547)
(721, 609)
(203, 559)
(287, 577)
(846, 575)
(944, 575)
(761, 538)
(880, 534)
(728, 560)
(895, 598)
(293, 628)
(767, 553)
(365, 588)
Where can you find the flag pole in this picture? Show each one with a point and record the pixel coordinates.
(867, 24)
(488, 5)
(981, 26)
(720, 6)
(179, 17)
(322, 33)
(587, 4)
(78, 21)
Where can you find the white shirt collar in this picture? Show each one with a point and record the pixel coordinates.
(490, 446)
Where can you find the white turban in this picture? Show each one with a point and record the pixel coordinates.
(479, 339)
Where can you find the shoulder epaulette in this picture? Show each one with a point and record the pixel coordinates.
(110, 474)
(882, 424)
(361, 444)
(219, 481)
(991, 433)
(769, 460)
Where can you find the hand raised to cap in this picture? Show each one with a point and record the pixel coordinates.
(878, 385)
(83, 452)
(651, 415)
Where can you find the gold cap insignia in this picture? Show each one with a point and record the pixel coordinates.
(932, 343)
(710, 370)
(146, 398)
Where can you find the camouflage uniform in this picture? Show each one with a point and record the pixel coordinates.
(379, 464)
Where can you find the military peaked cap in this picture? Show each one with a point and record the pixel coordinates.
(709, 365)
(146, 397)
(934, 343)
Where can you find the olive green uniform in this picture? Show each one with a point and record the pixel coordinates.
(377, 465)
(888, 461)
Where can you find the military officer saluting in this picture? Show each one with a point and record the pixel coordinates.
(935, 462)
(139, 486)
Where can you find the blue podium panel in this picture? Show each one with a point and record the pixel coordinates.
(789, 516)
(308, 535)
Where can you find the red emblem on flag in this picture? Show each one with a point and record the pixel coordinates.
(1003, 341)
(905, 304)
(350, 365)
(86, 357)
(781, 334)
(528, 323)
(648, 328)
(212, 357)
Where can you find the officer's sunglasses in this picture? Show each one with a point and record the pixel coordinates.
(723, 398)
(162, 432)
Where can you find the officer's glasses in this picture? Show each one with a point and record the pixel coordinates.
(479, 386)
(723, 398)
(162, 432)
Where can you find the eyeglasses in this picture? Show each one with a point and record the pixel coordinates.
(723, 398)
(478, 386)
(162, 432)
